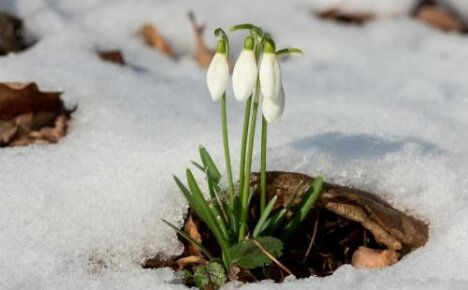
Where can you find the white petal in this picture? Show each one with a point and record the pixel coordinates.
(270, 76)
(218, 76)
(244, 76)
(273, 108)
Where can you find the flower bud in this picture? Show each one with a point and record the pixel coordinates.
(273, 108)
(244, 75)
(218, 72)
(270, 73)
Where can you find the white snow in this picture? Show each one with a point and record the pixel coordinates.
(383, 107)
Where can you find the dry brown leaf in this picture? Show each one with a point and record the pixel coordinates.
(365, 257)
(153, 38)
(190, 260)
(191, 229)
(439, 18)
(11, 34)
(28, 115)
(390, 226)
(203, 54)
(114, 56)
(339, 15)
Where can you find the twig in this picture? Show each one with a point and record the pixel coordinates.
(271, 257)
(312, 239)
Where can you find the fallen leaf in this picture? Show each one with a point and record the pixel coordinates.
(153, 38)
(365, 257)
(439, 18)
(11, 34)
(203, 54)
(190, 260)
(191, 229)
(28, 115)
(114, 56)
(339, 15)
(391, 227)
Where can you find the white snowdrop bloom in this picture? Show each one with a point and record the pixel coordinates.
(244, 75)
(218, 73)
(273, 108)
(270, 73)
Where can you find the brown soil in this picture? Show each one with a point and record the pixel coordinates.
(346, 226)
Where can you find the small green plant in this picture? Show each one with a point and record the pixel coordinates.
(256, 73)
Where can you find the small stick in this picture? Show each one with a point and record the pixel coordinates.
(312, 239)
(271, 257)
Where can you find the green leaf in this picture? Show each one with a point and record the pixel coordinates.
(304, 208)
(210, 276)
(247, 26)
(188, 238)
(289, 51)
(209, 163)
(263, 218)
(246, 254)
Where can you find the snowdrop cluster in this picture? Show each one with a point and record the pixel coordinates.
(256, 79)
(247, 73)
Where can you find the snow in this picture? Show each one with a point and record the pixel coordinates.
(382, 107)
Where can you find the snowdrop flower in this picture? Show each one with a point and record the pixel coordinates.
(273, 108)
(270, 73)
(244, 76)
(218, 72)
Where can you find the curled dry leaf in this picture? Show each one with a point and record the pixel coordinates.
(184, 262)
(28, 115)
(154, 39)
(203, 54)
(391, 227)
(439, 18)
(365, 257)
(191, 228)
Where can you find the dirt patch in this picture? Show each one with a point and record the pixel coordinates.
(346, 226)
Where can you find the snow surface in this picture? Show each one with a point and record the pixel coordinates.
(382, 107)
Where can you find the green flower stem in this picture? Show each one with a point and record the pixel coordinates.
(227, 155)
(248, 106)
(248, 166)
(263, 166)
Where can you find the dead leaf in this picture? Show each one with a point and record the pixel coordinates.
(203, 54)
(191, 229)
(28, 115)
(340, 15)
(182, 263)
(161, 261)
(153, 38)
(439, 18)
(390, 226)
(365, 257)
(11, 34)
(114, 56)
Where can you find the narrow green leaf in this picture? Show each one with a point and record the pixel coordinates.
(247, 26)
(209, 163)
(205, 210)
(289, 51)
(304, 208)
(263, 218)
(190, 239)
(276, 220)
(246, 254)
(198, 165)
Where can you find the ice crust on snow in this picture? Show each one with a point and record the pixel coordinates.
(382, 107)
